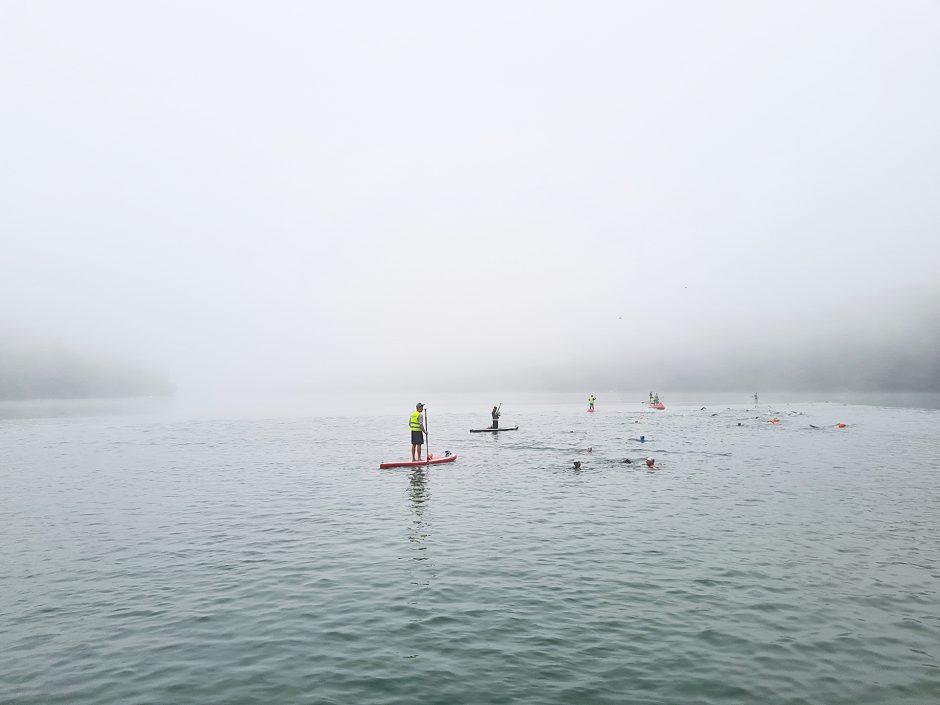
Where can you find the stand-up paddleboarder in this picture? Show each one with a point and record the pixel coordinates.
(418, 430)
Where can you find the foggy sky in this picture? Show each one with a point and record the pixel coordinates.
(391, 195)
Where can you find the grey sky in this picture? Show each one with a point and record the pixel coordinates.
(263, 194)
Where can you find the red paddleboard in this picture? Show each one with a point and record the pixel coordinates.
(418, 463)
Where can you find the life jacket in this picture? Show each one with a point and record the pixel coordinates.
(415, 421)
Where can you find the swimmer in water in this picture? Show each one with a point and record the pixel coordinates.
(651, 463)
(577, 464)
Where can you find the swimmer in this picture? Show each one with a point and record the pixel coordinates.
(627, 461)
(577, 464)
(641, 439)
(651, 463)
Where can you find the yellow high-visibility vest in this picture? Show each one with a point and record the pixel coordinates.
(415, 420)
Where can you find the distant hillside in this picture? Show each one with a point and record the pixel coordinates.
(36, 371)
(889, 346)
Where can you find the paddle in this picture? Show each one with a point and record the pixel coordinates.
(427, 438)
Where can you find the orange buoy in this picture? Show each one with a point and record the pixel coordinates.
(840, 425)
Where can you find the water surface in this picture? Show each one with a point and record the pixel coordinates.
(161, 558)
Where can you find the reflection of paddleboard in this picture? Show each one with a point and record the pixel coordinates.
(419, 463)
(493, 430)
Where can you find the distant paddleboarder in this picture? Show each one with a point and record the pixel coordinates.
(418, 430)
(591, 400)
(755, 398)
(495, 415)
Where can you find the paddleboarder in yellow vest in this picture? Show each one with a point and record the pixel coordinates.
(591, 400)
(418, 430)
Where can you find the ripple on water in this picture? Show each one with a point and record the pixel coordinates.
(270, 561)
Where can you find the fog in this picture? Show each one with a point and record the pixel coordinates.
(270, 197)
(31, 369)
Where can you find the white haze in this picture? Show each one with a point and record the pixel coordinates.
(403, 195)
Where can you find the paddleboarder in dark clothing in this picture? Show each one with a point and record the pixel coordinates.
(418, 429)
(495, 415)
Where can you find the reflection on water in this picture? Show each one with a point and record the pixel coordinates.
(418, 494)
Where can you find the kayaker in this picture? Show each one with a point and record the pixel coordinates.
(591, 400)
(418, 430)
(495, 417)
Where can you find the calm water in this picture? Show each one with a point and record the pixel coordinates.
(166, 558)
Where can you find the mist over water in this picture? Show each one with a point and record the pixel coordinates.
(541, 196)
(239, 242)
